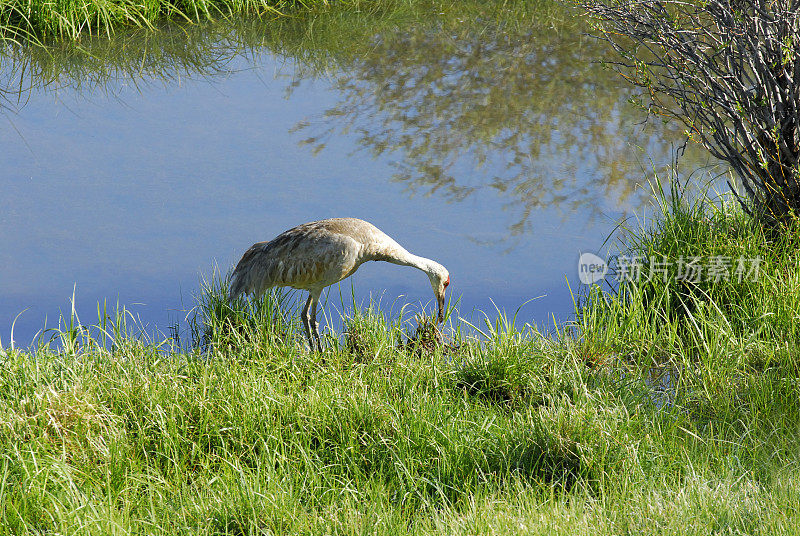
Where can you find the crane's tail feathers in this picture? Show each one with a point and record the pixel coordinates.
(251, 275)
(237, 286)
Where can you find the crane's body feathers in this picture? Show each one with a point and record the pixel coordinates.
(310, 256)
(315, 255)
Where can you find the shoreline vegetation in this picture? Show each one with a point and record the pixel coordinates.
(39, 20)
(662, 409)
(48, 23)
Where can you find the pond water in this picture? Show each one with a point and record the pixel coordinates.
(131, 167)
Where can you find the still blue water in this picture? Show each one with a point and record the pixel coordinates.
(132, 190)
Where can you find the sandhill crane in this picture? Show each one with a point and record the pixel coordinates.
(315, 255)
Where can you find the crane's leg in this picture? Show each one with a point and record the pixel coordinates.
(314, 323)
(307, 320)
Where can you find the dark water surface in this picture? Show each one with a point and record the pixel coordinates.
(132, 167)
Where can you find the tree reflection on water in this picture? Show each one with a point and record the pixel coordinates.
(528, 113)
(519, 109)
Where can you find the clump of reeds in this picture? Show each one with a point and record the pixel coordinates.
(427, 339)
(218, 323)
(748, 289)
(69, 21)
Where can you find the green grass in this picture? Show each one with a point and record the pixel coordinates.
(50, 21)
(72, 19)
(319, 39)
(501, 430)
(744, 322)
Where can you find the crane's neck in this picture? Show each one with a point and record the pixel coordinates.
(405, 258)
(386, 249)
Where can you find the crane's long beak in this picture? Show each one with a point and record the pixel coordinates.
(441, 308)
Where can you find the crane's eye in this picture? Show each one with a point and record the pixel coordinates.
(447, 282)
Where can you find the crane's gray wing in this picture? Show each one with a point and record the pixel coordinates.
(309, 256)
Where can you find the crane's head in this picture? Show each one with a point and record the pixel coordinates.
(440, 278)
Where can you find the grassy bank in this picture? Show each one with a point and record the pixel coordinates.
(664, 409)
(44, 21)
(70, 20)
(320, 43)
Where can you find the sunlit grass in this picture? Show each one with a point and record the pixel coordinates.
(741, 315)
(490, 429)
(68, 20)
(319, 40)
